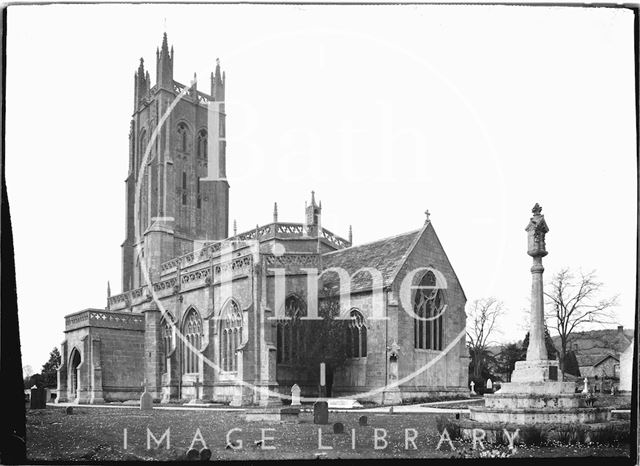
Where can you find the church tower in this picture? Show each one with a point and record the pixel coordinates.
(183, 194)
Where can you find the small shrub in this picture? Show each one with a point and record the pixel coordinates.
(610, 435)
(572, 434)
(453, 429)
(533, 435)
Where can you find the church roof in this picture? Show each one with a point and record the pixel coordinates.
(385, 255)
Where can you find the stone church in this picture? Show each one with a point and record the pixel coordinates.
(212, 316)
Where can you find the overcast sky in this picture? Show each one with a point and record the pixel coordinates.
(473, 112)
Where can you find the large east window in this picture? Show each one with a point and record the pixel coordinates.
(428, 305)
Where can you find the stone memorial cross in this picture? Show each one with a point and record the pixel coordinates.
(585, 390)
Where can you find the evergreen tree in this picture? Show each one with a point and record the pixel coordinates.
(548, 342)
(49, 372)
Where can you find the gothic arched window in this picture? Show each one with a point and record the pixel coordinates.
(202, 144)
(289, 338)
(167, 342)
(356, 335)
(230, 336)
(192, 332)
(183, 134)
(428, 304)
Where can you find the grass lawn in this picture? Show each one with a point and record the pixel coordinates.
(91, 434)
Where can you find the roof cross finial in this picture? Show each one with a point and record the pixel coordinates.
(536, 209)
(275, 212)
(427, 214)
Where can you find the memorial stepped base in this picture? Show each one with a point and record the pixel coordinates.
(537, 402)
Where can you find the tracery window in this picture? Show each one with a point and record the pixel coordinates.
(202, 144)
(230, 337)
(289, 337)
(183, 134)
(192, 332)
(356, 335)
(428, 304)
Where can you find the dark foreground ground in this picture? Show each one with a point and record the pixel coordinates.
(91, 434)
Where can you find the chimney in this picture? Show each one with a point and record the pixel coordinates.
(620, 328)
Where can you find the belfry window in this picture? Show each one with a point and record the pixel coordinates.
(192, 332)
(202, 144)
(289, 338)
(356, 335)
(230, 337)
(428, 304)
(183, 134)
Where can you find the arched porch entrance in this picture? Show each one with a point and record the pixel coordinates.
(74, 362)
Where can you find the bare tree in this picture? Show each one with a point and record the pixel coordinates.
(481, 325)
(573, 302)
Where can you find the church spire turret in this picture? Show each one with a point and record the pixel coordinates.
(217, 83)
(164, 65)
(312, 216)
(141, 83)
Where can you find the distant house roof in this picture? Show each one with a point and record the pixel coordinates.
(385, 255)
(593, 360)
(598, 342)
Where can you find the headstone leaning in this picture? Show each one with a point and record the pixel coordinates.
(321, 412)
(295, 395)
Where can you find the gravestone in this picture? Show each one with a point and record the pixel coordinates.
(363, 420)
(38, 398)
(473, 384)
(338, 428)
(295, 395)
(585, 390)
(205, 454)
(320, 412)
(489, 384)
(146, 401)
